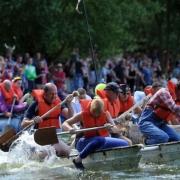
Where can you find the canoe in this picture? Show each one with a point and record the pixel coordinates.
(14, 123)
(158, 154)
(165, 153)
(112, 159)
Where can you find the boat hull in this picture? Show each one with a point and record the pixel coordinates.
(113, 159)
(167, 153)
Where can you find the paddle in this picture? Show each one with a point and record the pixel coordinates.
(8, 126)
(8, 137)
(47, 136)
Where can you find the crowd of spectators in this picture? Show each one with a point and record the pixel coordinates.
(135, 69)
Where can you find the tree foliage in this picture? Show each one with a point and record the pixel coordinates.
(55, 27)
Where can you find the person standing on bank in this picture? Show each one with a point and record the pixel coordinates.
(45, 100)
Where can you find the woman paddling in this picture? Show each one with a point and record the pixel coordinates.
(92, 115)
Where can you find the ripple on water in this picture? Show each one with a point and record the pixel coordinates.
(19, 164)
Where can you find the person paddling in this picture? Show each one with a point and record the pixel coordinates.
(92, 115)
(153, 120)
(45, 100)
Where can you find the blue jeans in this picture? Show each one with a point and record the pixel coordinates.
(155, 129)
(88, 145)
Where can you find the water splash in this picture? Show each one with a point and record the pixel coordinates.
(23, 156)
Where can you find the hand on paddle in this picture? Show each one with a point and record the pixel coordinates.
(37, 119)
(7, 114)
(108, 126)
(72, 131)
(69, 98)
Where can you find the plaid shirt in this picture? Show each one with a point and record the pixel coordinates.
(163, 97)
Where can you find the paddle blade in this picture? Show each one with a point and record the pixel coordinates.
(7, 135)
(46, 136)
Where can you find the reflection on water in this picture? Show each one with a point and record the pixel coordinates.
(19, 164)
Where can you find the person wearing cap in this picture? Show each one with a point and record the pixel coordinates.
(93, 115)
(111, 101)
(110, 96)
(153, 120)
(125, 98)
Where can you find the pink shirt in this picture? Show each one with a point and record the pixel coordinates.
(163, 97)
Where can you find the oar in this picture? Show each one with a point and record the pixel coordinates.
(9, 136)
(47, 136)
(8, 127)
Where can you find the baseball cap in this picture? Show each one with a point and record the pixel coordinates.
(124, 88)
(112, 86)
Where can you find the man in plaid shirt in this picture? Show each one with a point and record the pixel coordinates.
(153, 123)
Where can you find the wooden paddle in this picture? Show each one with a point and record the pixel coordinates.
(47, 136)
(8, 137)
(8, 127)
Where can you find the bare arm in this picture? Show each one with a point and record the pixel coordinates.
(68, 124)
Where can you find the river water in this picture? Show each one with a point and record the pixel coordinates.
(17, 165)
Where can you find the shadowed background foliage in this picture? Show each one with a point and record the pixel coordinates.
(55, 27)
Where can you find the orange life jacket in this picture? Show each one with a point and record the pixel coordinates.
(18, 91)
(8, 95)
(43, 107)
(125, 105)
(88, 121)
(112, 107)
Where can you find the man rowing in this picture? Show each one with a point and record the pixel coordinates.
(93, 115)
(116, 100)
(153, 120)
(45, 100)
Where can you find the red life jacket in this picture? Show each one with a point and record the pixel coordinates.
(112, 107)
(171, 87)
(8, 95)
(18, 91)
(162, 112)
(43, 107)
(125, 105)
(88, 121)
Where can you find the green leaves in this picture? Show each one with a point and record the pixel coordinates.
(55, 27)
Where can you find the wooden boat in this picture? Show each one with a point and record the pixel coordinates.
(112, 159)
